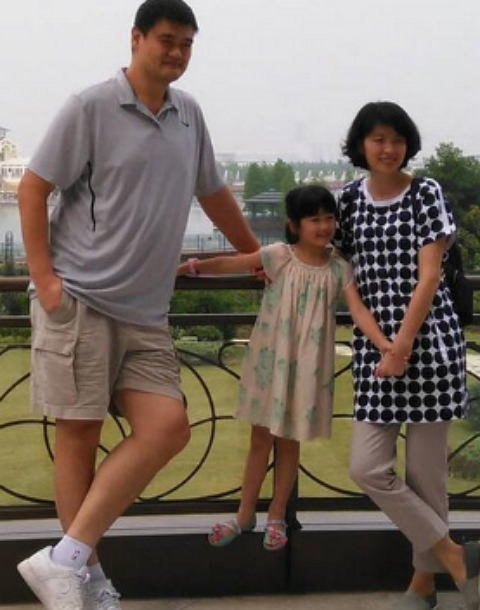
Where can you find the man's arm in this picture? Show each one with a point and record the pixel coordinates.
(33, 193)
(222, 209)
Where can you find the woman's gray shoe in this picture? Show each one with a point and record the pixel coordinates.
(469, 589)
(412, 601)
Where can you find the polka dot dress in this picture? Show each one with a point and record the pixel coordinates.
(383, 240)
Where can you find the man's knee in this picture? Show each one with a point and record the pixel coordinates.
(172, 435)
(181, 434)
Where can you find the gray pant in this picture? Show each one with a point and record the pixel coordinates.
(418, 506)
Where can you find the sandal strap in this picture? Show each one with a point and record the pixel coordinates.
(231, 524)
(271, 523)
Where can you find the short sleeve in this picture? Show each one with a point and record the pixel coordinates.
(209, 180)
(343, 271)
(64, 152)
(434, 218)
(274, 258)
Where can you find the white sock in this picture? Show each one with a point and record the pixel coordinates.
(96, 572)
(71, 553)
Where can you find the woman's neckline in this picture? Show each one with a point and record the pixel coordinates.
(387, 201)
(394, 194)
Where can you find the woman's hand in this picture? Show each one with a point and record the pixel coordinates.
(393, 364)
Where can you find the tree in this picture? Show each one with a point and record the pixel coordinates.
(459, 176)
(282, 178)
(261, 178)
(256, 181)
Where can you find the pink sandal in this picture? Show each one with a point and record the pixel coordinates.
(275, 537)
(224, 533)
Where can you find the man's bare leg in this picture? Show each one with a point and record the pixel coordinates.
(159, 431)
(76, 444)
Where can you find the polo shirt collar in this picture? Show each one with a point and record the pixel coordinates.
(127, 97)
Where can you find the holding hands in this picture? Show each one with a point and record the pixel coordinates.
(394, 361)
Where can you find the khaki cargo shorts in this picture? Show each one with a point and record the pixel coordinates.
(81, 357)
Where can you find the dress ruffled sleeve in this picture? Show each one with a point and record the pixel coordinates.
(274, 258)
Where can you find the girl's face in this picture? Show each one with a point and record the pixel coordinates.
(384, 150)
(316, 231)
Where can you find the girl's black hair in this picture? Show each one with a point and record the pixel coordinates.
(380, 113)
(305, 201)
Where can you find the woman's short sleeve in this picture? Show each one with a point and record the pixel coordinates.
(434, 218)
(274, 258)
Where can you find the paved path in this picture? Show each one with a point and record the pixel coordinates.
(318, 601)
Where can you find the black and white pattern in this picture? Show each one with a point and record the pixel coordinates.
(382, 242)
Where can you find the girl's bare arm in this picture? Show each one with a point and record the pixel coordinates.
(224, 264)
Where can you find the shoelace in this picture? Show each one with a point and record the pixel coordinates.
(107, 598)
(81, 579)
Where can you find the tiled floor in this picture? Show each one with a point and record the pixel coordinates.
(319, 601)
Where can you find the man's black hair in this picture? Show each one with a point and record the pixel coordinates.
(152, 11)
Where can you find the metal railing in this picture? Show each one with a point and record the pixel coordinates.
(192, 485)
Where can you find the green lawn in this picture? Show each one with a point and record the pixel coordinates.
(25, 465)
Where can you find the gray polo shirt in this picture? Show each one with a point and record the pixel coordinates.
(126, 180)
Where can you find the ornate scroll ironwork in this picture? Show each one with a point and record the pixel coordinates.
(177, 490)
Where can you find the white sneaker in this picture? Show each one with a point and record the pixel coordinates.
(57, 587)
(101, 595)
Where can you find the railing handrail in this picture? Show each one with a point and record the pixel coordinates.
(220, 282)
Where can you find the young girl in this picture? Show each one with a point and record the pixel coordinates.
(286, 391)
(396, 232)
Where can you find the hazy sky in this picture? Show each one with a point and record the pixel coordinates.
(274, 77)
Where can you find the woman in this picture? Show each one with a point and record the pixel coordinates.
(396, 231)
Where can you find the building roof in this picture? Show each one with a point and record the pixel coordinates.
(265, 197)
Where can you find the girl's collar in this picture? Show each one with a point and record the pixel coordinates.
(328, 254)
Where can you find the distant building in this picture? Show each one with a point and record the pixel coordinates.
(266, 216)
(8, 149)
(11, 172)
(12, 167)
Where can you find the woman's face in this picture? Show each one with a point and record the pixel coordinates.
(384, 150)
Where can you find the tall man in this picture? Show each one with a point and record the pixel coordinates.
(127, 156)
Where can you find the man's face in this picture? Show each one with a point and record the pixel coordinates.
(164, 52)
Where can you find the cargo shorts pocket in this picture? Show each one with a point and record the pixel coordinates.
(65, 314)
(53, 368)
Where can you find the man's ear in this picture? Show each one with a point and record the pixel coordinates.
(136, 34)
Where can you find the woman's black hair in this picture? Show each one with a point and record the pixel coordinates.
(305, 201)
(380, 113)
